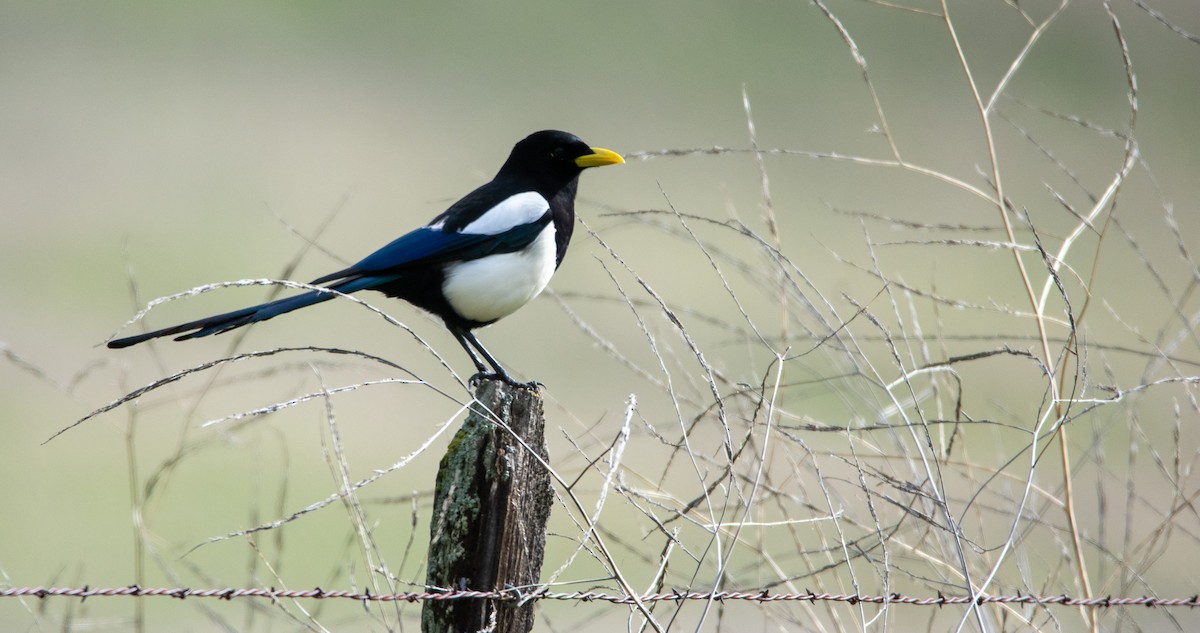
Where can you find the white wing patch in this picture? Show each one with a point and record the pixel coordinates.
(515, 210)
(495, 286)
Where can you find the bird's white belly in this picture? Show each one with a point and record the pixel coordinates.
(495, 286)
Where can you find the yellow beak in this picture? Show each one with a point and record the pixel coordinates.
(599, 157)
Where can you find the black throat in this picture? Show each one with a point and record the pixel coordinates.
(562, 213)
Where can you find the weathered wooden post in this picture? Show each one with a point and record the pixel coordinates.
(490, 508)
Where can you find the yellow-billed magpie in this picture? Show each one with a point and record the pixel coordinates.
(479, 261)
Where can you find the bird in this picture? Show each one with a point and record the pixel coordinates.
(478, 261)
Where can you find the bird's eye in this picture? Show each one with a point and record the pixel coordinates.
(558, 153)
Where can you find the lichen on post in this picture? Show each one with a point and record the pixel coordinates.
(491, 505)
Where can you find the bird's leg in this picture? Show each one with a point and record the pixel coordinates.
(460, 336)
(467, 340)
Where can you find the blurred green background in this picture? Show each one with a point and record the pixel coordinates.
(147, 148)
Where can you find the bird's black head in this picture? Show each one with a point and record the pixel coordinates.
(551, 159)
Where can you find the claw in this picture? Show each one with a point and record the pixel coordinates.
(474, 381)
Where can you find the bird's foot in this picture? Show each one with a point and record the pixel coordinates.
(532, 385)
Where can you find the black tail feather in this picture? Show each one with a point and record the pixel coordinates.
(227, 321)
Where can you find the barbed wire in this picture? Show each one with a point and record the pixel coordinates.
(517, 595)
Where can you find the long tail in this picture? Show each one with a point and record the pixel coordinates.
(236, 319)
